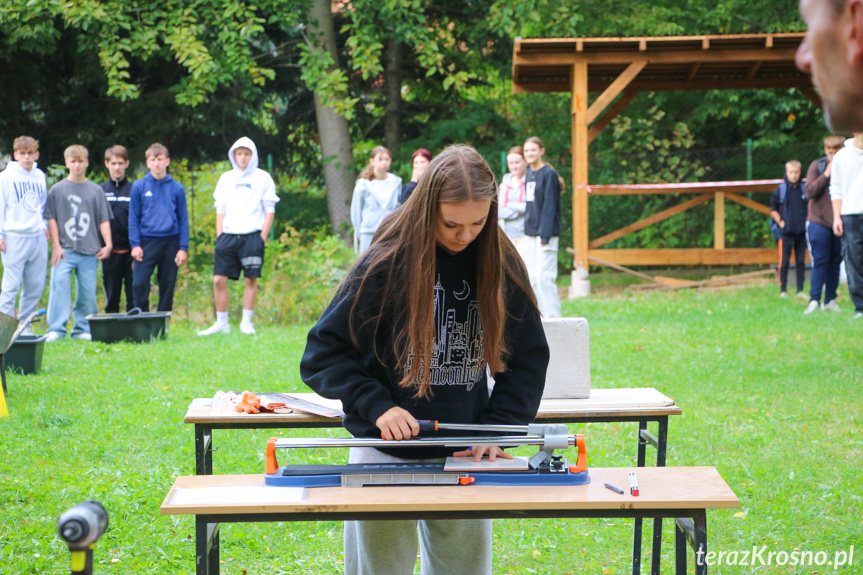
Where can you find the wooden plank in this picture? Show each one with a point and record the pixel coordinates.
(758, 207)
(689, 256)
(650, 220)
(666, 57)
(613, 90)
(753, 69)
(713, 282)
(579, 162)
(693, 70)
(719, 220)
(660, 488)
(610, 114)
(756, 186)
(522, 84)
(617, 267)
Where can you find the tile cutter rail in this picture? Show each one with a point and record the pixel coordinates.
(544, 468)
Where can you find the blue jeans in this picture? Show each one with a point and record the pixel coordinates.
(826, 256)
(852, 242)
(60, 294)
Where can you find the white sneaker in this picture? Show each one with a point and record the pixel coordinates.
(858, 315)
(813, 306)
(53, 336)
(832, 306)
(83, 337)
(783, 294)
(247, 328)
(803, 295)
(216, 328)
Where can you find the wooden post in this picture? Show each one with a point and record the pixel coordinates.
(580, 231)
(719, 221)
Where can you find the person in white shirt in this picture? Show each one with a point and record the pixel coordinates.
(245, 209)
(376, 195)
(846, 193)
(23, 232)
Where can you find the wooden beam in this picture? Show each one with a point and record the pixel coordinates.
(693, 70)
(650, 220)
(712, 282)
(753, 69)
(719, 221)
(610, 114)
(745, 187)
(614, 89)
(561, 83)
(813, 96)
(625, 270)
(758, 207)
(580, 232)
(690, 257)
(659, 57)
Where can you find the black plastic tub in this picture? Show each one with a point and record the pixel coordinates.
(25, 355)
(138, 327)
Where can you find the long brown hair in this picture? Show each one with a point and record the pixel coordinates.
(403, 254)
(368, 172)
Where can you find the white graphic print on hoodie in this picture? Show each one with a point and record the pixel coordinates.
(245, 196)
(22, 198)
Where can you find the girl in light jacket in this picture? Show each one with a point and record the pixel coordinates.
(376, 195)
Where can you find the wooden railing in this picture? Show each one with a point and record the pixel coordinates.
(718, 192)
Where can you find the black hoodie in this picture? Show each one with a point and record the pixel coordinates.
(793, 210)
(117, 194)
(368, 385)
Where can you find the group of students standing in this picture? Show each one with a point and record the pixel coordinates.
(135, 229)
(528, 209)
(813, 213)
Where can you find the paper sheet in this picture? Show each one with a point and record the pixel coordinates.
(252, 494)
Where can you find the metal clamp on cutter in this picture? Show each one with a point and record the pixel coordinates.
(543, 468)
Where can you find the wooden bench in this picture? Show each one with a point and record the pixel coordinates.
(678, 492)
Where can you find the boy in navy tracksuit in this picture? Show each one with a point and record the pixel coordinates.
(789, 212)
(158, 230)
(117, 268)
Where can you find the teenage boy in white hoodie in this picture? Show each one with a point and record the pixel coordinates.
(23, 233)
(245, 208)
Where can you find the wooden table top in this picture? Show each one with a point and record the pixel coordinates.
(660, 488)
(620, 402)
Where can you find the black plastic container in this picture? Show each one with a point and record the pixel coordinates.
(25, 355)
(138, 327)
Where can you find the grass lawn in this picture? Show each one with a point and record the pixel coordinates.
(769, 397)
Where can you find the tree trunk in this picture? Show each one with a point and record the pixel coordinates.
(393, 82)
(336, 147)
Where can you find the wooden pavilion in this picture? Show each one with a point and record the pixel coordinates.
(620, 68)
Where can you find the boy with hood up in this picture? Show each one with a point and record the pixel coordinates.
(245, 200)
(23, 232)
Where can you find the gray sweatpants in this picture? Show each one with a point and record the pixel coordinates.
(448, 547)
(25, 263)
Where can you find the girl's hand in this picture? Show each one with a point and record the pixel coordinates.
(397, 423)
(493, 452)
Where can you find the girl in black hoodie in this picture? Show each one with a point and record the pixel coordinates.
(440, 296)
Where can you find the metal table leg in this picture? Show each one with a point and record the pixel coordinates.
(203, 449)
(206, 546)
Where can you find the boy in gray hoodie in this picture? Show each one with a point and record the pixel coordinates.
(23, 235)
